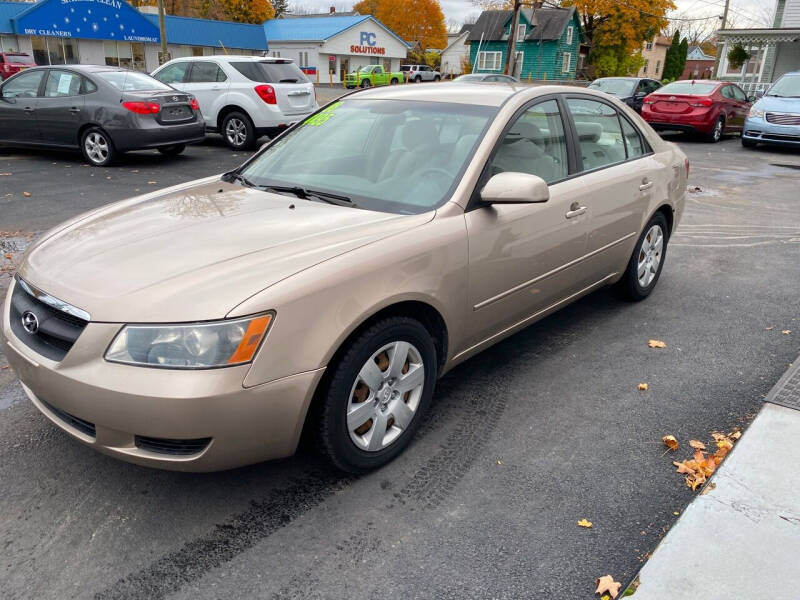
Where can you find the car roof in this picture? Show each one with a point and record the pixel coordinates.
(494, 94)
(236, 58)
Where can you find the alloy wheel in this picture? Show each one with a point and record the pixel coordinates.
(385, 396)
(650, 254)
(718, 130)
(96, 147)
(236, 131)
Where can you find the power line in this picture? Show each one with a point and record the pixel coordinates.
(640, 11)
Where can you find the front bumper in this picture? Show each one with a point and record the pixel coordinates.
(762, 132)
(126, 405)
(155, 135)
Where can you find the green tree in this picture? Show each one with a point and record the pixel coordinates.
(684, 51)
(671, 57)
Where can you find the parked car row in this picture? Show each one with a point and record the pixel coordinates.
(105, 111)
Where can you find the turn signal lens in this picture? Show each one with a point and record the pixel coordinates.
(266, 93)
(194, 104)
(143, 108)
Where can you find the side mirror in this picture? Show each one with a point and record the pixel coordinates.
(640, 95)
(515, 188)
(758, 94)
(752, 98)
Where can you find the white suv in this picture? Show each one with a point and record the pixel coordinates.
(243, 97)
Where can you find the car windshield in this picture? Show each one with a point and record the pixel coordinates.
(131, 81)
(615, 87)
(469, 78)
(20, 59)
(388, 155)
(787, 86)
(688, 88)
(271, 71)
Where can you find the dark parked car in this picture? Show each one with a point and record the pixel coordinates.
(485, 77)
(12, 63)
(710, 108)
(631, 90)
(101, 110)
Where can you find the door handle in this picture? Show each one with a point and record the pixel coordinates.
(75, 110)
(28, 109)
(646, 184)
(575, 210)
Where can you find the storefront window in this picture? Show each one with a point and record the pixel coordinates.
(112, 58)
(197, 51)
(54, 51)
(40, 50)
(8, 43)
(125, 54)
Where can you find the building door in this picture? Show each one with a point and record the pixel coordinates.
(344, 67)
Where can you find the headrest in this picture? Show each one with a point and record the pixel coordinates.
(523, 130)
(588, 132)
(417, 133)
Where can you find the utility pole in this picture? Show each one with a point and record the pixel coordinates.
(163, 55)
(720, 45)
(511, 52)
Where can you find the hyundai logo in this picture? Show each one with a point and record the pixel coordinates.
(175, 98)
(30, 322)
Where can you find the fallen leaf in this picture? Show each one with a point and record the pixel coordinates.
(676, 513)
(8, 256)
(3, 368)
(26, 194)
(6, 174)
(695, 482)
(697, 444)
(584, 523)
(643, 387)
(499, 462)
(683, 467)
(786, 331)
(770, 328)
(670, 441)
(606, 584)
(656, 344)
(718, 436)
(735, 435)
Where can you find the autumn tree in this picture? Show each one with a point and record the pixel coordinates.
(240, 11)
(616, 31)
(419, 21)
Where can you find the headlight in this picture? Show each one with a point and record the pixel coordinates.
(190, 346)
(755, 113)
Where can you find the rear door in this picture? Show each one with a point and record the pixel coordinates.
(19, 100)
(61, 107)
(207, 82)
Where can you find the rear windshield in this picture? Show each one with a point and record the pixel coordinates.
(131, 81)
(271, 72)
(405, 68)
(20, 59)
(615, 87)
(688, 88)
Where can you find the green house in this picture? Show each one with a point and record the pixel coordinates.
(548, 42)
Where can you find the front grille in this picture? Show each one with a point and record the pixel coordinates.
(57, 330)
(783, 118)
(80, 424)
(780, 137)
(173, 447)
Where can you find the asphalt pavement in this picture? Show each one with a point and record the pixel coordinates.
(544, 429)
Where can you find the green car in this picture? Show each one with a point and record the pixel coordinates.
(371, 75)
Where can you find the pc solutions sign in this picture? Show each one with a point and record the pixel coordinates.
(89, 19)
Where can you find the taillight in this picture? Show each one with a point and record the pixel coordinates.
(7, 68)
(649, 99)
(686, 164)
(266, 93)
(143, 108)
(701, 102)
(194, 104)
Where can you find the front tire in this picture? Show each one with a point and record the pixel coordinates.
(437, 78)
(97, 147)
(393, 81)
(172, 150)
(647, 260)
(377, 395)
(238, 131)
(418, 79)
(366, 83)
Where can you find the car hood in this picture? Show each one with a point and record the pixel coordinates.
(194, 252)
(772, 103)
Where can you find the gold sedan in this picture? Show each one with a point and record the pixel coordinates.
(328, 282)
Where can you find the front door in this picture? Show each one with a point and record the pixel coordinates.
(60, 108)
(525, 258)
(344, 66)
(19, 99)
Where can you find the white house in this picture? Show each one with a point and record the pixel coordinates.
(456, 53)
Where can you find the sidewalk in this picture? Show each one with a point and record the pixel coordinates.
(740, 538)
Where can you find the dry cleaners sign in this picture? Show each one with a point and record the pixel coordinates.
(90, 19)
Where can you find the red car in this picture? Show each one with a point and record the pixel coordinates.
(710, 108)
(14, 62)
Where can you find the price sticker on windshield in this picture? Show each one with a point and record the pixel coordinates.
(322, 116)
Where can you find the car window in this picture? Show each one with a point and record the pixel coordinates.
(641, 88)
(131, 81)
(633, 140)
(727, 92)
(88, 86)
(174, 73)
(284, 71)
(652, 86)
(739, 94)
(691, 88)
(62, 83)
(534, 144)
(205, 72)
(25, 85)
(599, 133)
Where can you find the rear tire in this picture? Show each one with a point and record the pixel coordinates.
(97, 147)
(238, 131)
(647, 260)
(437, 78)
(394, 81)
(172, 150)
(356, 426)
(418, 79)
(715, 134)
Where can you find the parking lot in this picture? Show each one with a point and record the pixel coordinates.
(540, 431)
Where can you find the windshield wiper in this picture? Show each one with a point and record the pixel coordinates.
(231, 177)
(307, 194)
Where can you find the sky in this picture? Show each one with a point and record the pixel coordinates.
(745, 13)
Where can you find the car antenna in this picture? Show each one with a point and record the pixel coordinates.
(124, 83)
